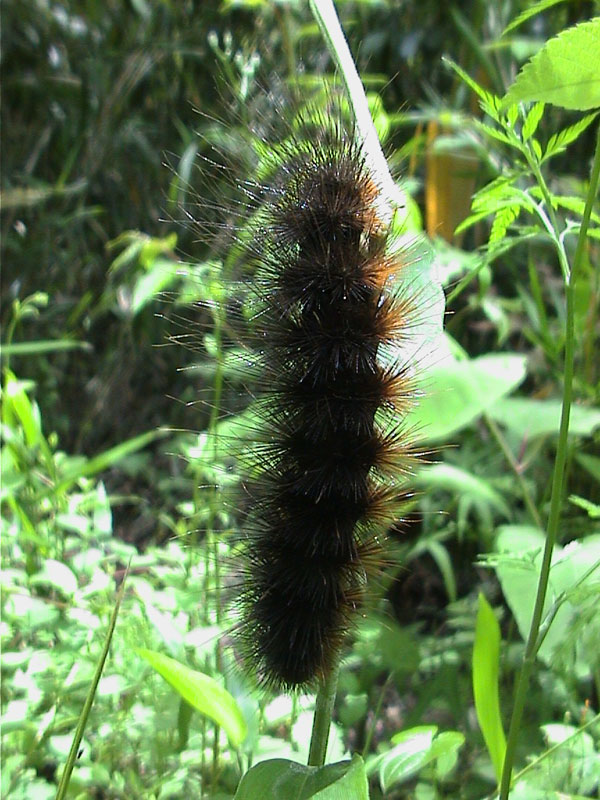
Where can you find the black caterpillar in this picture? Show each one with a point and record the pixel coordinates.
(325, 465)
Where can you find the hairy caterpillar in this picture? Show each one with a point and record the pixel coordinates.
(327, 459)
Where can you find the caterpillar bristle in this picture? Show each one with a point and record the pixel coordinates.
(324, 471)
(326, 453)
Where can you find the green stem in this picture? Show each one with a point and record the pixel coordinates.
(322, 718)
(558, 480)
(65, 778)
(516, 468)
(556, 747)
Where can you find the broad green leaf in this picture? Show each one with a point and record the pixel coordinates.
(531, 418)
(518, 566)
(486, 655)
(351, 786)
(279, 779)
(202, 692)
(457, 393)
(408, 755)
(564, 72)
(454, 479)
(413, 750)
(18, 406)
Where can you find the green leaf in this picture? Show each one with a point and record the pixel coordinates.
(564, 72)
(457, 393)
(489, 102)
(518, 565)
(504, 217)
(559, 141)
(536, 8)
(486, 655)
(408, 755)
(454, 479)
(107, 459)
(413, 750)
(279, 779)
(56, 574)
(201, 692)
(531, 418)
(532, 121)
(160, 275)
(46, 346)
(592, 509)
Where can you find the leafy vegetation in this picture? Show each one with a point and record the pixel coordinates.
(475, 670)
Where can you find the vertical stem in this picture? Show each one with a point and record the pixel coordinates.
(557, 487)
(325, 14)
(322, 718)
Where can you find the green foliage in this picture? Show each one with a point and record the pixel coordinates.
(486, 657)
(279, 780)
(202, 693)
(94, 451)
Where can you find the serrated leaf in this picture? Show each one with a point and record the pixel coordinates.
(564, 72)
(558, 141)
(489, 101)
(493, 132)
(575, 204)
(202, 693)
(532, 120)
(486, 656)
(504, 217)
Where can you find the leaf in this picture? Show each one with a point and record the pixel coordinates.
(486, 656)
(536, 8)
(575, 204)
(106, 459)
(457, 393)
(592, 509)
(531, 418)
(559, 141)
(46, 346)
(564, 72)
(504, 217)
(55, 573)
(532, 121)
(454, 479)
(489, 102)
(202, 693)
(414, 749)
(279, 779)
(518, 565)
(408, 755)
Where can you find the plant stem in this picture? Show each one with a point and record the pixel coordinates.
(497, 434)
(322, 718)
(558, 480)
(326, 16)
(63, 785)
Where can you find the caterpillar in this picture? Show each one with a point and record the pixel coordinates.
(326, 463)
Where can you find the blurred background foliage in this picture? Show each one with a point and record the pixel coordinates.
(108, 110)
